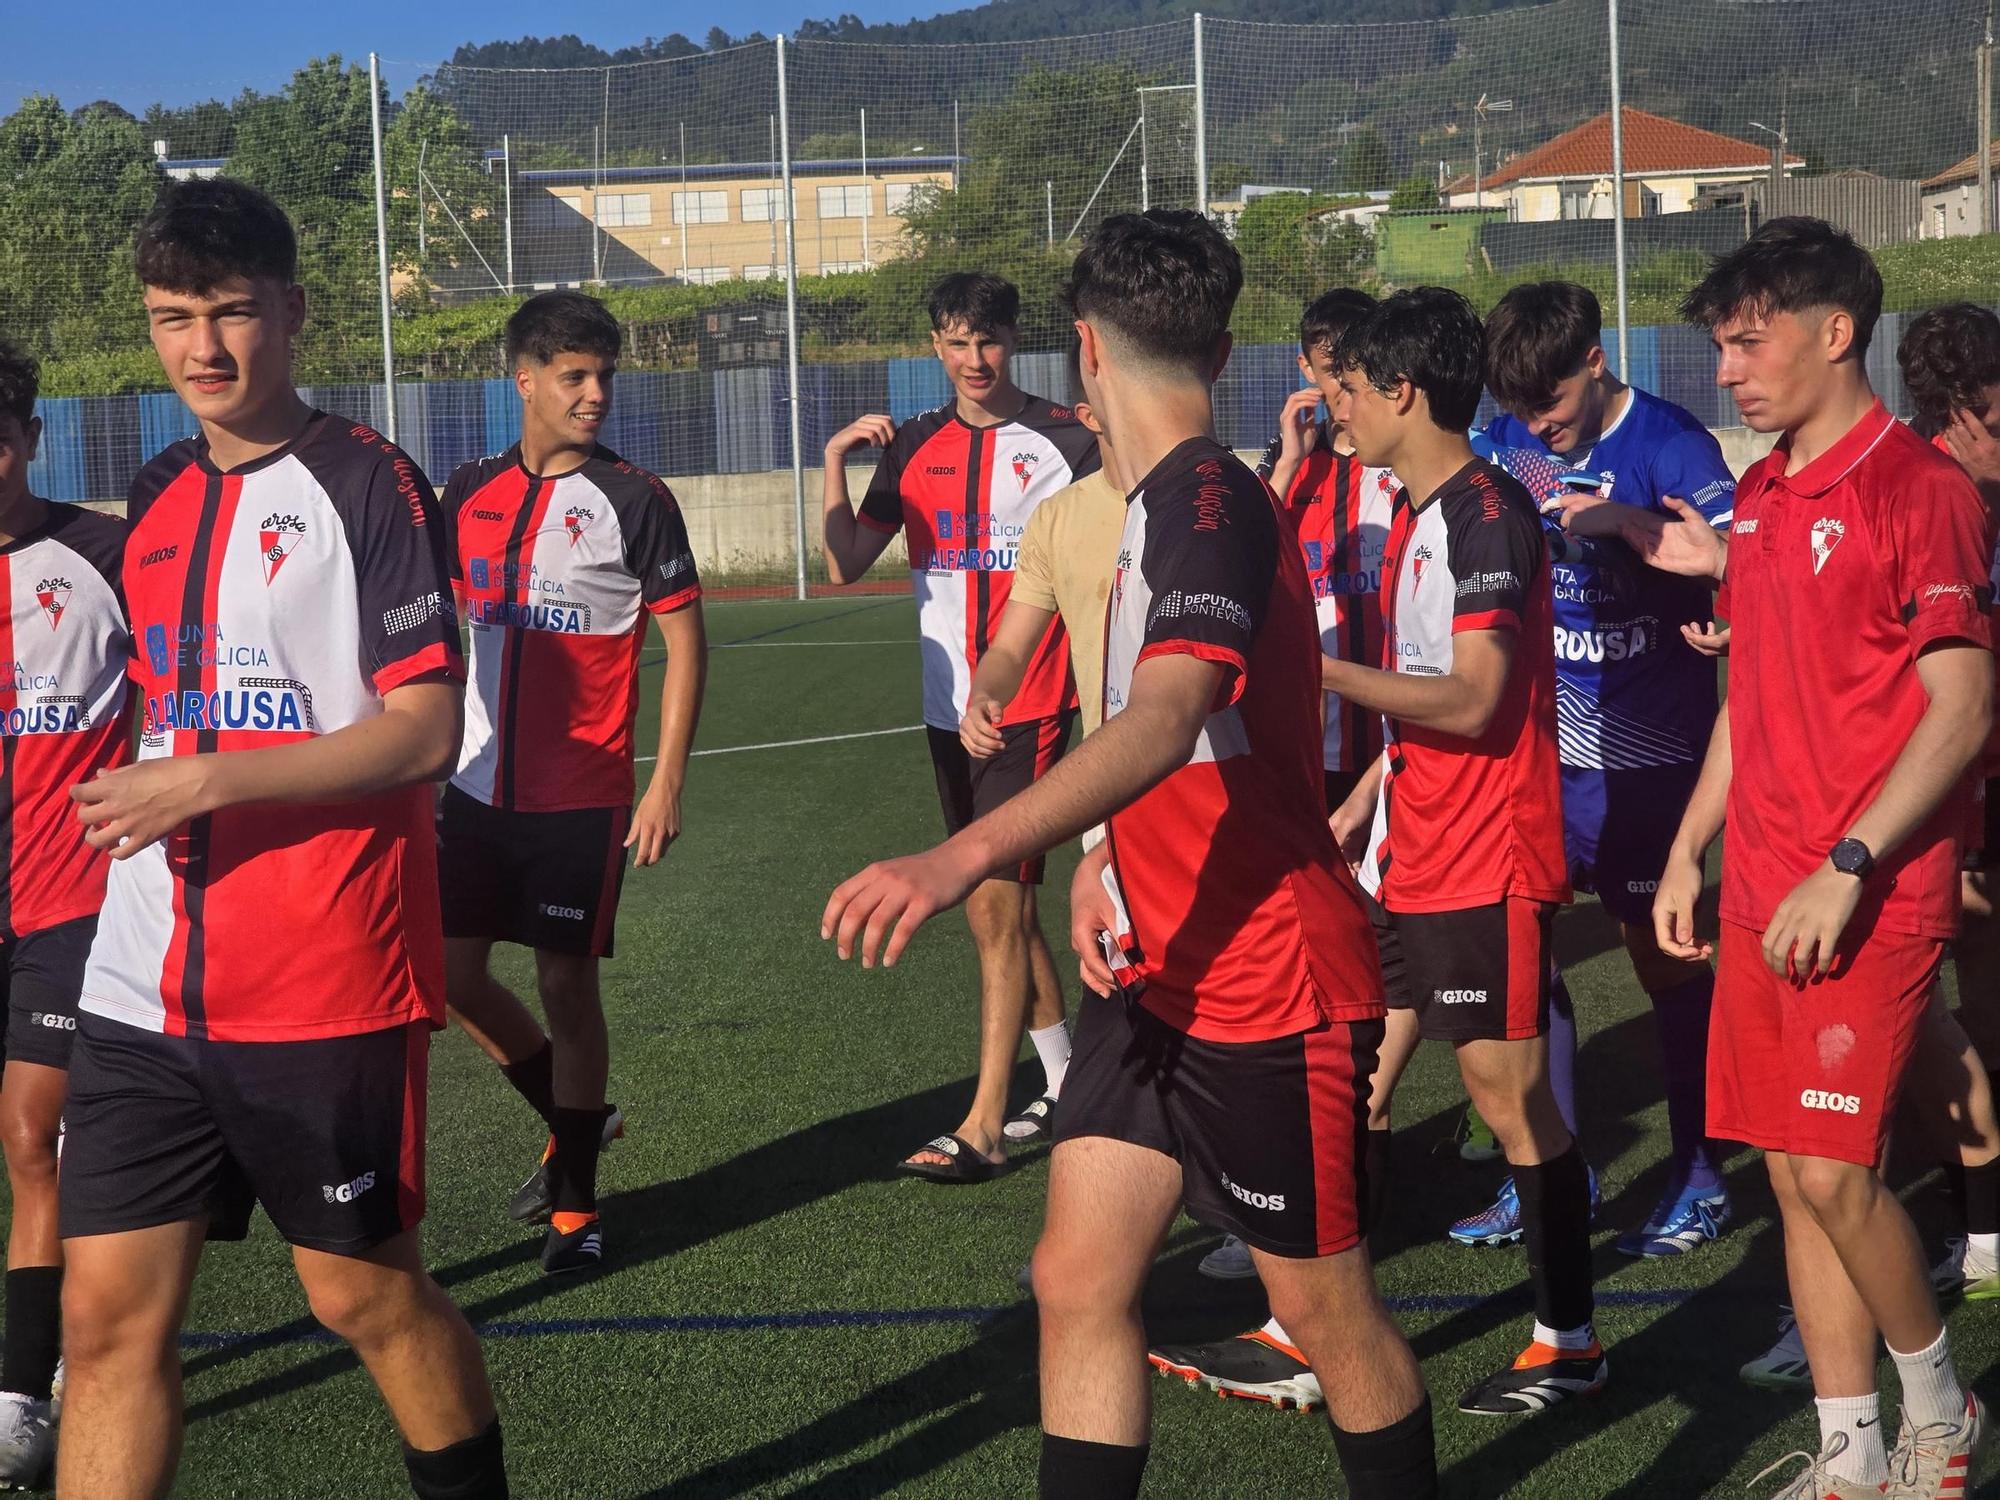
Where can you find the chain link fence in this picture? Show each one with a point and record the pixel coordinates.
(765, 220)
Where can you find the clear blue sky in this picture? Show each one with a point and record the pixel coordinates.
(137, 52)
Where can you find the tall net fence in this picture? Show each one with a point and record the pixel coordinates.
(700, 195)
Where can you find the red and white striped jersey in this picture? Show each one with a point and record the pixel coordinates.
(558, 578)
(962, 496)
(62, 711)
(271, 603)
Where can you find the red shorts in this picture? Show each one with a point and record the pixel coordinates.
(1815, 1069)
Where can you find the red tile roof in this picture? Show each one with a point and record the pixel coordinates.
(1654, 145)
(1964, 171)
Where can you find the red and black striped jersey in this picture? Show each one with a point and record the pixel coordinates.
(270, 603)
(962, 496)
(558, 577)
(62, 711)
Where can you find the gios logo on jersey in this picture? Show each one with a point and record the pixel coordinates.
(347, 1192)
(1618, 643)
(53, 596)
(1840, 1104)
(1269, 1202)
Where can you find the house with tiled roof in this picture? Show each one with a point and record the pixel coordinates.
(1668, 164)
(1951, 198)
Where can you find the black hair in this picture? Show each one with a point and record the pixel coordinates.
(20, 384)
(1950, 357)
(552, 323)
(1165, 281)
(1537, 335)
(1431, 337)
(204, 232)
(1791, 265)
(975, 300)
(1328, 316)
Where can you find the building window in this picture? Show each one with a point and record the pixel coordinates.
(896, 196)
(625, 210)
(710, 206)
(840, 267)
(759, 273)
(850, 202)
(761, 205)
(705, 275)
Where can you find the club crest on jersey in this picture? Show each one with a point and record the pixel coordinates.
(275, 540)
(53, 595)
(1025, 465)
(1826, 535)
(1419, 560)
(576, 520)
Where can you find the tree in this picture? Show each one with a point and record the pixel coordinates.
(204, 130)
(1413, 195)
(1364, 163)
(1294, 247)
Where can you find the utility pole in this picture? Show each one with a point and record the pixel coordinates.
(1984, 73)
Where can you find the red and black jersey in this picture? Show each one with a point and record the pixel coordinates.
(1464, 822)
(1239, 920)
(558, 577)
(62, 711)
(962, 496)
(271, 603)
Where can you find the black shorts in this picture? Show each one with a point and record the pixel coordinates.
(1480, 974)
(1982, 841)
(328, 1135)
(549, 880)
(969, 789)
(1269, 1135)
(43, 974)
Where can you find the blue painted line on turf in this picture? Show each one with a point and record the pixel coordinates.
(888, 1317)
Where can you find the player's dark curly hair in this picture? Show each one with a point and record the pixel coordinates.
(1791, 265)
(975, 301)
(1536, 335)
(20, 384)
(552, 323)
(1166, 281)
(1429, 336)
(1950, 358)
(1328, 316)
(205, 232)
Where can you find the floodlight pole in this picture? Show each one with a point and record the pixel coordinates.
(1200, 121)
(792, 319)
(382, 248)
(507, 150)
(1618, 196)
(867, 190)
(1984, 73)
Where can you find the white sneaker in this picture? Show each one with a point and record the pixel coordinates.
(1960, 1274)
(27, 1442)
(1229, 1261)
(1782, 1367)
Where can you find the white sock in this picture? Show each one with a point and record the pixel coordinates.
(1859, 1419)
(1569, 1338)
(1052, 1047)
(1982, 1251)
(1931, 1392)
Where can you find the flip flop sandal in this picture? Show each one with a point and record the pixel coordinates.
(1033, 1123)
(966, 1164)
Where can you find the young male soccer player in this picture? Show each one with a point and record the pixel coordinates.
(1840, 775)
(1225, 1055)
(560, 550)
(257, 1008)
(1465, 856)
(961, 483)
(1634, 700)
(62, 719)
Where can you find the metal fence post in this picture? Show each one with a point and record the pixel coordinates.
(382, 248)
(1200, 122)
(792, 316)
(1618, 197)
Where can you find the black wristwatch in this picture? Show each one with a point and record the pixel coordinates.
(1852, 857)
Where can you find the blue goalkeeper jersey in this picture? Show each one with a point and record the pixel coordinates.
(1630, 692)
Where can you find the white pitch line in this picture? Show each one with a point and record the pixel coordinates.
(760, 645)
(818, 739)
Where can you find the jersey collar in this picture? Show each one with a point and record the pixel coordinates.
(206, 463)
(1834, 465)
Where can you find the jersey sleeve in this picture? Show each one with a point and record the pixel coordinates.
(882, 507)
(1268, 464)
(457, 490)
(1211, 585)
(1940, 561)
(1496, 551)
(1690, 467)
(659, 554)
(1034, 561)
(409, 625)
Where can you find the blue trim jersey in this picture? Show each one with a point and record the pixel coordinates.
(1630, 692)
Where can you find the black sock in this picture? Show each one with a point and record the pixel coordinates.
(1375, 1179)
(1954, 1190)
(534, 1078)
(33, 1341)
(579, 1137)
(1982, 1198)
(1075, 1470)
(468, 1470)
(1555, 1223)
(1397, 1462)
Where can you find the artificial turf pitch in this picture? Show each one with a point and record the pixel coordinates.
(779, 1315)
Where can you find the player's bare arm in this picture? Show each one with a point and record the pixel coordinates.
(1680, 884)
(1681, 543)
(1958, 679)
(656, 821)
(414, 739)
(1462, 702)
(1298, 435)
(851, 548)
(1172, 697)
(998, 676)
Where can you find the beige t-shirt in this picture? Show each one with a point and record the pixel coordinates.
(1065, 562)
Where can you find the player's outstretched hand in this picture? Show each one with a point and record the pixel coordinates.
(126, 809)
(656, 823)
(1092, 918)
(1976, 449)
(1681, 543)
(1707, 638)
(979, 730)
(1799, 943)
(886, 903)
(1589, 515)
(1674, 901)
(862, 431)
